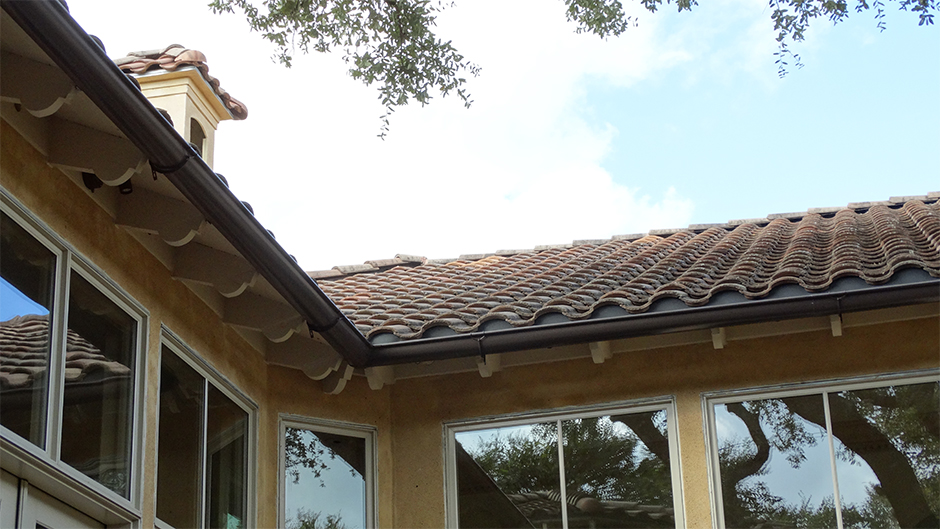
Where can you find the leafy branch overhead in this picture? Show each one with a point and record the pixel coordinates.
(392, 42)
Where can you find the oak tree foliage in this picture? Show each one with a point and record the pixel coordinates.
(392, 43)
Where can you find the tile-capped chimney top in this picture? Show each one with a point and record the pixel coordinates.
(176, 56)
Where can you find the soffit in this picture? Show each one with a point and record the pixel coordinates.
(40, 102)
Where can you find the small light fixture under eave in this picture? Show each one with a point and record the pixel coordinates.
(91, 181)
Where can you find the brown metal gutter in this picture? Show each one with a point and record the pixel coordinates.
(51, 27)
(49, 24)
(646, 324)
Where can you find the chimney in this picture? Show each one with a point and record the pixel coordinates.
(176, 80)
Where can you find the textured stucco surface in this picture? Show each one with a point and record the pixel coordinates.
(419, 407)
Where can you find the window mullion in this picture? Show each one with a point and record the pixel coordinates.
(203, 462)
(561, 476)
(57, 350)
(832, 460)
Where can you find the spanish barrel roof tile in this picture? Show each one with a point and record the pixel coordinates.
(870, 241)
(24, 351)
(177, 56)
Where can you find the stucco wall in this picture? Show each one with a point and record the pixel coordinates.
(419, 407)
(69, 212)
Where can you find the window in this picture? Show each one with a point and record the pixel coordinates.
(71, 344)
(327, 474)
(205, 453)
(618, 465)
(852, 455)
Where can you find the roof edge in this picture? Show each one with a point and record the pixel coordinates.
(552, 335)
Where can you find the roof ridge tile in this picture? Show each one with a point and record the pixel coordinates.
(760, 220)
(796, 215)
(629, 237)
(543, 247)
(866, 205)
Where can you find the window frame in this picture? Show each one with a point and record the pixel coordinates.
(820, 388)
(363, 431)
(172, 342)
(44, 466)
(664, 403)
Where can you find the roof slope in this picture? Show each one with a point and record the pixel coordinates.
(628, 275)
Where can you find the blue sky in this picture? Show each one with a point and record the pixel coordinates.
(681, 120)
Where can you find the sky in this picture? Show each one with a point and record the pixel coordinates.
(682, 120)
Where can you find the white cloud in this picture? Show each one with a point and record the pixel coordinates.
(520, 168)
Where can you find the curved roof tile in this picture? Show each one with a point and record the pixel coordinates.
(692, 266)
(175, 56)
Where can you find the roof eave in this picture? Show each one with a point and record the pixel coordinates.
(628, 326)
(49, 25)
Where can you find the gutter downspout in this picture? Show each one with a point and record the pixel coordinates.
(49, 24)
(70, 47)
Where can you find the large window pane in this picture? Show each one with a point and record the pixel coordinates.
(27, 273)
(324, 482)
(509, 477)
(888, 455)
(99, 386)
(617, 471)
(179, 460)
(774, 463)
(227, 458)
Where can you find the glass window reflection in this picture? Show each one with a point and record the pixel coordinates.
(774, 463)
(782, 459)
(99, 386)
(616, 470)
(179, 452)
(27, 286)
(887, 455)
(325, 479)
(509, 477)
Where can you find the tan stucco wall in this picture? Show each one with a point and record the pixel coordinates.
(419, 407)
(409, 415)
(69, 212)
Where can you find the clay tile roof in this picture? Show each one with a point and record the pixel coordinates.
(630, 274)
(24, 350)
(175, 56)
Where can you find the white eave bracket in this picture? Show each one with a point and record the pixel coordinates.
(719, 339)
(380, 376)
(489, 364)
(601, 351)
(835, 322)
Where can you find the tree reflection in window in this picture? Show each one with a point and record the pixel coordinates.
(325, 480)
(616, 472)
(776, 469)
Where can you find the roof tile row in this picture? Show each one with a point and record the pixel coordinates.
(692, 266)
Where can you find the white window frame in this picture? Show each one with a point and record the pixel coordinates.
(177, 346)
(362, 431)
(821, 388)
(666, 403)
(43, 466)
